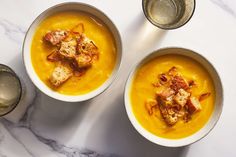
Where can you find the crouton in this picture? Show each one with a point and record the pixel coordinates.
(167, 108)
(171, 119)
(59, 75)
(181, 97)
(83, 60)
(181, 113)
(166, 94)
(178, 82)
(86, 46)
(193, 105)
(187, 117)
(149, 104)
(169, 115)
(165, 102)
(68, 48)
(80, 72)
(55, 37)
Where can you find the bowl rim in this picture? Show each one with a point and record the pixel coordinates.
(155, 138)
(97, 91)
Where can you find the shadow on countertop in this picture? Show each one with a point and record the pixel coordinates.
(53, 118)
(121, 138)
(141, 37)
(116, 133)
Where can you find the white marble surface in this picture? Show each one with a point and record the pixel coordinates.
(99, 128)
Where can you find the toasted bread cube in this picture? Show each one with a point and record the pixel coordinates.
(68, 48)
(181, 97)
(149, 104)
(83, 60)
(168, 112)
(55, 37)
(169, 115)
(166, 94)
(171, 119)
(86, 46)
(59, 75)
(178, 82)
(193, 105)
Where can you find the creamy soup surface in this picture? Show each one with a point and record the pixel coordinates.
(96, 31)
(142, 89)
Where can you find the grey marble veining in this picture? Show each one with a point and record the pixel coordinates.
(57, 148)
(13, 31)
(16, 34)
(29, 141)
(228, 5)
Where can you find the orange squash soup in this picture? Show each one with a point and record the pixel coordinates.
(172, 96)
(73, 53)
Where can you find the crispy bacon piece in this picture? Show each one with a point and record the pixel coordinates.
(149, 105)
(55, 37)
(80, 72)
(191, 83)
(163, 78)
(78, 29)
(204, 96)
(186, 116)
(172, 71)
(178, 82)
(54, 56)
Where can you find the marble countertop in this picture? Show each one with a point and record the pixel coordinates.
(98, 128)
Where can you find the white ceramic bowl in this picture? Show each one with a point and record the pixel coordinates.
(69, 6)
(208, 126)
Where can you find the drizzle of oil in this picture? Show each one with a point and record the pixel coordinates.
(96, 21)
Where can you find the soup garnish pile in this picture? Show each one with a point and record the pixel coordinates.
(174, 98)
(75, 53)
